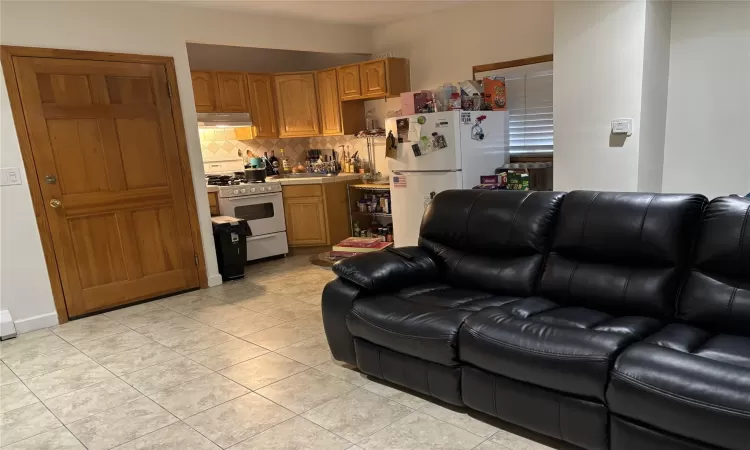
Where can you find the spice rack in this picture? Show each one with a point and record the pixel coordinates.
(369, 219)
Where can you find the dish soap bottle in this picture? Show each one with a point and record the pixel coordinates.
(284, 162)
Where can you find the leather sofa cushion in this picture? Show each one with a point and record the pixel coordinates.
(389, 270)
(421, 321)
(689, 382)
(535, 340)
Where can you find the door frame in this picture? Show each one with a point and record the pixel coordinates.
(6, 56)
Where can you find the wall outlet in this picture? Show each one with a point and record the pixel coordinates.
(10, 176)
(622, 126)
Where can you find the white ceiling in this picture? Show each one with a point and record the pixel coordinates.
(359, 12)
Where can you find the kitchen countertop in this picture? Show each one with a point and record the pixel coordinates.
(318, 180)
(212, 188)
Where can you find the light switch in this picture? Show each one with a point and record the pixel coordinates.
(10, 176)
(622, 126)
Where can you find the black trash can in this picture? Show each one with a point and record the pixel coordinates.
(230, 238)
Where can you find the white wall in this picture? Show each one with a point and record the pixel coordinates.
(708, 109)
(130, 27)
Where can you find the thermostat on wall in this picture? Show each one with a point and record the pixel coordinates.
(622, 126)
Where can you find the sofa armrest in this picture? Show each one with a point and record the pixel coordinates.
(389, 270)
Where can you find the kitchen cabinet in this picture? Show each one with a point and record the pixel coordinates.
(305, 221)
(329, 103)
(204, 91)
(316, 214)
(213, 203)
(262, 104)
(372, 78)
(232, 92)
(349, 85)
(297, 104)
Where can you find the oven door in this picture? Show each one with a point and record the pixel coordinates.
(263, 212)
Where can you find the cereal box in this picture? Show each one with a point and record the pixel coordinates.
(494, 92)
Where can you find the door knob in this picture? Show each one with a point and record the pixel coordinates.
(55, 203)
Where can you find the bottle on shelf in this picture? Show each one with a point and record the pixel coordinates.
(284, 162)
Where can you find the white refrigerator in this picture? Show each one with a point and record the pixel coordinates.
(436, 152)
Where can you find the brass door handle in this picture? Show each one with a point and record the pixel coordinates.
(55, 203)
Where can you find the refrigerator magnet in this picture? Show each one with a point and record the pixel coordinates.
(438, 141)
(415, 148)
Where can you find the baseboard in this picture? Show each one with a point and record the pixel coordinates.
(36, 322)
(214, 280)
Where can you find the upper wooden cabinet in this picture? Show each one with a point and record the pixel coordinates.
(296, 104)
(262, 105)
(379, 78)
(349, 86)
(329, 103)
(372, 78)
(232, 91)
(204, 91)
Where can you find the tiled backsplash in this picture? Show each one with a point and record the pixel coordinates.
(223, 144)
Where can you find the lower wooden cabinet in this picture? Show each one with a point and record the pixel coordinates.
(213, 203)
(305, 221)
(316, 214)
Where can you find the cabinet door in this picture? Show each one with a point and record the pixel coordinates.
(231, 91)
(297, 105)
(349, 86)
(373, 78)
(204, 91)
(262, 108)
(305, 221)
(329, 103)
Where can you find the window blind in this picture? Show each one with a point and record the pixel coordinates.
(529, 99)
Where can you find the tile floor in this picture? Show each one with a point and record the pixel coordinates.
(242, 366)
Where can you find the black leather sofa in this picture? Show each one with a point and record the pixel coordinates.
(608, 320)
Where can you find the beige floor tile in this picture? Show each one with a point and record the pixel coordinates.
(177, 436)
(198, 395)
(14, 396)
(26, 367)
(82, 403)
(247, 323)
(137, 358)
(314, 299)
(57, 439)
(287, 310)
(357, 414)
(7, 376)
(300, 290)
(516, 442)
(311, 351)
(165, 375)
(343, 371)
(30, 345)
(306, 390)
(189, 302)
(263, 370)
(185, 335)
(98, 348)
(280, 336)
(68, 380)
(401, 395)
(214, 314)
(262, 300)
(489, 445)
(227, 354)
(121, 424)
(420, 431)
(294, 434)
(26, 422)
(459, 417)
(238, 419)
(239, 293)
(141, 315)
(314, 320)
(93, 327)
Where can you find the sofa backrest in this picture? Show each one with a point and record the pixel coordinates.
(622, 253)
(716, 294)
(491, 240)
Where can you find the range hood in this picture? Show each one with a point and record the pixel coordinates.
(224, 120)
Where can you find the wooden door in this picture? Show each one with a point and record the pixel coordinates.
(305, 221)
(329, 103)
(102, 137)
(231, 88)
(297, 105)
(204, 91)
(262, 107)
(373, 78)
(349, 85)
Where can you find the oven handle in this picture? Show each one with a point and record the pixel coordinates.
(246, 197)
(262, 236)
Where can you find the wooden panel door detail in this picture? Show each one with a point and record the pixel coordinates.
(305, 221)
(297, 105)
(349, 84)
(116, 207)
(373, 78)
(262, 107)
(204, 91)
(330, 105)
(231, 87)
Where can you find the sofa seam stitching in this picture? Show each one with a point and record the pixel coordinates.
(536, 352)
(630, 379)
(513, 220)
(410, 336)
